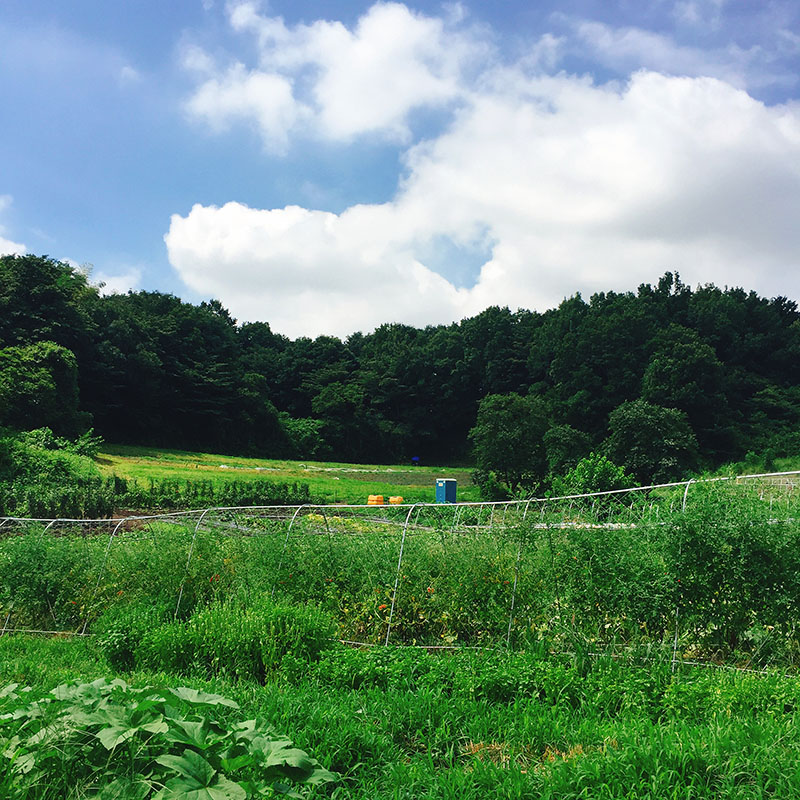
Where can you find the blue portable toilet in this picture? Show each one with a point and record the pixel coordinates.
(446, 490)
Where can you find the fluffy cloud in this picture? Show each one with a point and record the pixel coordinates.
(624, 49)
(333, 82)
(7, 247)
(119, 283)
(307, 272)
(569, 185)
(265, 99)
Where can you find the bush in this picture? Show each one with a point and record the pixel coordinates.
(46, 476)
(738, 574)
(227, 638)
(490, 487)
(595, 473)
(121, 629)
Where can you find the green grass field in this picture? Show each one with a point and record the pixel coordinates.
(585, 698)
(423, 727)
(328, 482)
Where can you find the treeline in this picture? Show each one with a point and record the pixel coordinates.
(146, 368)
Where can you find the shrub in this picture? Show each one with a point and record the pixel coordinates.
(121, 628)
(227, 638)
(595, 473)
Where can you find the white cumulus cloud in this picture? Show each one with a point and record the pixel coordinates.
(119, 282)
(571, 186)
(542, 184)
(333, 82)
(262, 98)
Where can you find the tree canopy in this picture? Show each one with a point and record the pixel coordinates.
(638, 376)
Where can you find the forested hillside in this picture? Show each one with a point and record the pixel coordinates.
(716, 373)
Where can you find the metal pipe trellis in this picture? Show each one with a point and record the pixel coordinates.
(101, 571)
(513, 595)
(416, 515)
(397, 576)
(188, 561)
(283, 552)
(47, 528)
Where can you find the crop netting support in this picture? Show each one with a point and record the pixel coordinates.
(699, 571)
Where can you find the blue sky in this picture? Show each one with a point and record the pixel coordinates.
(327, 167)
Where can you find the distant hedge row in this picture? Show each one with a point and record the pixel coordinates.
(95, 498)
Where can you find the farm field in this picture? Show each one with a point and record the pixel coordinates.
(328, 482)
(619, 647)
(400, 724)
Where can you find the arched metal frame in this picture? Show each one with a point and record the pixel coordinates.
(566, 510)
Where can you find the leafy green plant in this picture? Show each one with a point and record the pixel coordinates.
(594, 473)
(121, 628)
(232, 639)
(115, 741)
(42, 582)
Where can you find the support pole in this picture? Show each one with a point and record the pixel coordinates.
(102, 569)
(397, 576)
(8, 619)
(283, 552)
(47, 528)
(188, 561)
(677, 602)
(513, 595)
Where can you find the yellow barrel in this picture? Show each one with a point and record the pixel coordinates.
(395, 500)
(375, 500)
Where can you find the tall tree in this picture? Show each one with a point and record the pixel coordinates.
(685, 373)
(655, 444)
(39, 388)
(508, 439)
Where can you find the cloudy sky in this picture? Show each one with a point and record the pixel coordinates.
(329, 166)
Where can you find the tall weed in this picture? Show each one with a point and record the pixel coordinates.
(225, 638)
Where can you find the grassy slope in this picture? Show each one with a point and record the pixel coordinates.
(328, 481)
(634, 733)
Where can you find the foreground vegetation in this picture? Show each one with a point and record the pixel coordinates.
(235, 683)
(718, 580)
(407, 724)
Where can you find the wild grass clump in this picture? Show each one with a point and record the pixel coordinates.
(224, 638)
(122, 628)
(602, 685)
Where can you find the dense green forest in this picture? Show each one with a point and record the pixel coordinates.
(697, 376)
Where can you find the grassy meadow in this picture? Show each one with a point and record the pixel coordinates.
(328, 482)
